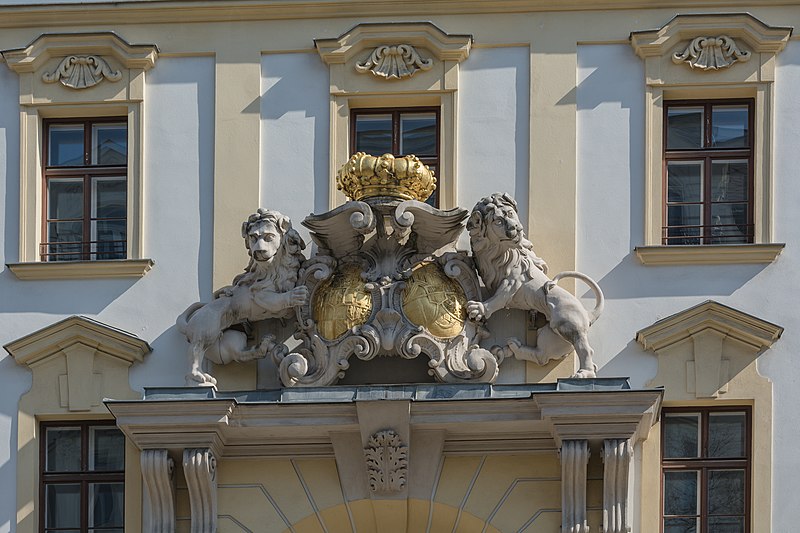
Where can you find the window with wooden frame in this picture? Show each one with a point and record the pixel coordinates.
(408, 131)
(81, 478)
(705, 465)
(85, 189)
(708, 172)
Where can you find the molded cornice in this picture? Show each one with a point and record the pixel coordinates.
(759, 36)
(370, 35)
(152, 12)
(48, 342)
(756, 333)
(106, 44)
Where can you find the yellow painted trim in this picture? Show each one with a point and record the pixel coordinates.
(155, 12)
(666, 80)
(38, 100)
(75, 364)
(707, 356)
(712, 254)
(117, 268)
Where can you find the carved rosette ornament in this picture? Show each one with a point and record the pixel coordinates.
(711, 53)
(387, 462)
(394, 62)
(82, 72)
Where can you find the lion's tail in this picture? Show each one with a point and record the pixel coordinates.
(594, 314)
(182, 322)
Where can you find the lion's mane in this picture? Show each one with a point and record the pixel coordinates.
(494, 261)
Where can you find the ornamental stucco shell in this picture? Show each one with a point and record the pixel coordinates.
(82, 72)
(394, 62)
(711, 53)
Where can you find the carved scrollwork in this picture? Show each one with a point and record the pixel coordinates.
(394, 62)
(82, 72)
(387, 462)
(711, 53)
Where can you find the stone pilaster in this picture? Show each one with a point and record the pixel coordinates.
(574, 459)
(200, 469)
(617, 455)
(157, 473)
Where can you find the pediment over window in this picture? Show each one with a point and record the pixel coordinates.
(748, 31)
(77, 362)
(364, 38)
(58, 45)
(708, 350)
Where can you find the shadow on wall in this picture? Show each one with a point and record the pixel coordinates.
(60, 297)
(166, 366)
(631, 279)
(296, 85)
(616, 77)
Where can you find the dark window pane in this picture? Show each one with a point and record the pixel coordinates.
(729, 223)
(418, 134)
(726, 492)
(65, 198)
(726, 435)
(680, 493)
(109, 196)
(374, 134)
(63, 505)
(685, 181)
(106, 449)
(729, 126)
(69, 233)
(65, 145)
(680, 525)
(726, 524)
(106, 504)
(729, 181)
(681, 435)
(684, 128)
(110, 237)
(63, 450)
(109, 144)
(684, 215)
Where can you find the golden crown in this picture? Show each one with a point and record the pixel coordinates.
(367, 176)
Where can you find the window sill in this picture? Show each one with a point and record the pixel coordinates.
(119, 268)
(710, 254)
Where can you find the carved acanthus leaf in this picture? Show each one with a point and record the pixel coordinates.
(711, 53)
(387, 462)
(82, 72)
(394, 62)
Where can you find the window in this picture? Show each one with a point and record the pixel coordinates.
(398, 132)
(708, 172)
(82, 478)
(706, 470)
(85, 198)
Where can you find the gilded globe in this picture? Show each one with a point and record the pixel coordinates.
(434, 301)
(341, 303)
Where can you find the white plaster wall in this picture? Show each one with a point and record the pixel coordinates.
(493, 146)
(14, 380)
(294, 135)
(494, 125)
(610, 103)
(179, 118)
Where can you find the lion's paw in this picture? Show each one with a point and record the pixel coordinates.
(585, 373)
(476, 311)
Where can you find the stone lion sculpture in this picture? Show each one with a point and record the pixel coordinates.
(517, 279)
(266, 289)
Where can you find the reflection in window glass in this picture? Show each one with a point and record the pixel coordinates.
(729, 126)
(107, 501)
(65, 145)
(729, 180)
(374, 134)
(63, 450)
(418, 134)
(63, 503)
(680, 493)
(109, 144)
(106, 449)
(726, 492)
(726, 434)
(684, 128)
